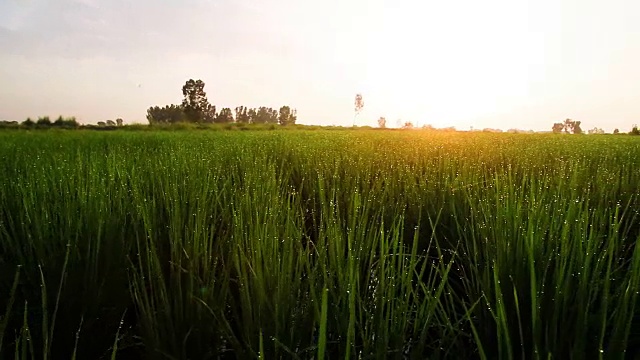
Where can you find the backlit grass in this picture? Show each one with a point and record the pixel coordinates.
(318, 244)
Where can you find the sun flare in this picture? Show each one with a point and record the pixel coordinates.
(422, 67)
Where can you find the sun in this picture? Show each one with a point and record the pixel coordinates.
(443, 74)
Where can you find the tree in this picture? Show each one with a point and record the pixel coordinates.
(28, 122)
(557, 128)
(210, 114)
(252, 116)
(572, 126)
(195, 103)
(635, 130)
(242, 115)
(576, 129)
(382, 122)
(169, 114)
(273, 116)
(266, 115)
(119, 122)
(407, 125)
(43, 121)
(287, 116)
(225, 116)
(111, 123)
(359, 104)
(616, 131)
(59, 121)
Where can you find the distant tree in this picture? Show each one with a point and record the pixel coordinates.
(558, 128)
(44, 121)
(102, 124)
(195, 103)
(382, 122)
(407, 125)
(119, 122)
(224, 116)
(9, 123)
(576, 129)
(266, 115)
(111, 123)
(616, 131)
(59, 121)
(28, 122)
(572, 126)
(72, 122)
(210, 114)
(635, 130)
(359, 104)
(252, 116)
(65, 122)
(169, 114)
(261, 116)
(273, 116)
(287, 116)
(242, 115)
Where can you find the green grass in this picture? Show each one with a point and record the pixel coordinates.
(318, 244)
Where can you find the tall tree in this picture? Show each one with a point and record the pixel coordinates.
(359, 104)
(224, 116)
(557, 128)
(407, 125)
(273, 116)
(210, 114)
(252, 116)
(241, 115)
(576, 129)
(382, 122)
(169, 114)
(266, 115)
(195, 101)
(572, 126)
(287, 116)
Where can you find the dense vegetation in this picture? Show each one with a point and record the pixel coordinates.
(196, 109)
(317, 244)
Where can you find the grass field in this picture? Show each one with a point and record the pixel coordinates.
(318, 244)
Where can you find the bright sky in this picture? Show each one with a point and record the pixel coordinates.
(491, 63)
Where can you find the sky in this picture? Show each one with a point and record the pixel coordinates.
(484, 64)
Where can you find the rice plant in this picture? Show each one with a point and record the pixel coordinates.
(318, 244)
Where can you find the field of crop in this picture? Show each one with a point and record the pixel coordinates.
(318, 244)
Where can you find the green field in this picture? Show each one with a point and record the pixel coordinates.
(318, 244)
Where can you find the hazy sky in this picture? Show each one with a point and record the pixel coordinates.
(489, 63)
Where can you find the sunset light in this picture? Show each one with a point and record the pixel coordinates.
(333, 179)
(495, 63)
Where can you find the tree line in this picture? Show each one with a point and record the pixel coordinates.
(195, 108)
(45, 122)
(573, 127)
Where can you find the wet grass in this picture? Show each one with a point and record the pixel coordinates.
(313, 244)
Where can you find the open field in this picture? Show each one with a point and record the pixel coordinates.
(318, 244)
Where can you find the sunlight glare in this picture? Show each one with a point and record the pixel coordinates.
(429, 69)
